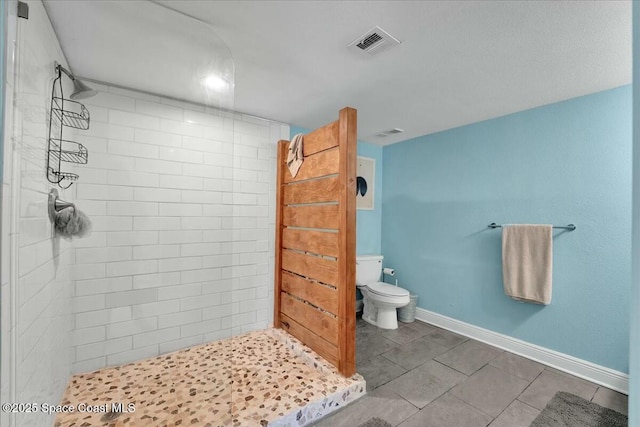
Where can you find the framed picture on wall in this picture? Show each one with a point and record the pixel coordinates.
(365, 183)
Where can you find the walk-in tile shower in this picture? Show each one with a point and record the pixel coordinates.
(178, 187)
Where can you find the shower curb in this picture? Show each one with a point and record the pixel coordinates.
(316, 410)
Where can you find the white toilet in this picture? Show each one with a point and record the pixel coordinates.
(380, 299)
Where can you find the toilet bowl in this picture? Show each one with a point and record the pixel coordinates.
(380, 299)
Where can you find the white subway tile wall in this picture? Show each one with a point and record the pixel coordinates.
(183, 203)
(36, 281)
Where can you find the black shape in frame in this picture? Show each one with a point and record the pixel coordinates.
(361, 186)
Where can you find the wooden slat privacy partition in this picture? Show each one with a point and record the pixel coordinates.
(315, 243)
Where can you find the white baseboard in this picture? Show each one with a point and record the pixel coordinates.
(601, 375)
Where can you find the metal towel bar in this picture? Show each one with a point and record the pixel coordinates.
(569, 227)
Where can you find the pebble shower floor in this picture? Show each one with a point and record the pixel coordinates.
(262, 378)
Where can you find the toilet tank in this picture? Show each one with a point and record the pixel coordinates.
(368, 269)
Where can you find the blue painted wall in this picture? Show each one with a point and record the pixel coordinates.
(568, 162)
(368, 223)
(634, 369)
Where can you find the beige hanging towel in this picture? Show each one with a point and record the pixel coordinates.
(295, 156)
(527, 262)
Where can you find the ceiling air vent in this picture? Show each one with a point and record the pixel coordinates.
(374, 41)
(369, 41)
(393, 131)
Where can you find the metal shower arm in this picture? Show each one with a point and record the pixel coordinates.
(67, 72)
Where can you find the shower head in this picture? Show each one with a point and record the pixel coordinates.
(80, 90)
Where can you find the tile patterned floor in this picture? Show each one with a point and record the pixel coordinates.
(420, 375)
(255, 379)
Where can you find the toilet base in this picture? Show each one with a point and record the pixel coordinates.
(382, 317)
(385, 319)
(369, 320)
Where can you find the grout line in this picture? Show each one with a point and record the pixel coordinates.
(527, 388)
(467, 403)
(447, 366)
(516, 398)
(526, 404)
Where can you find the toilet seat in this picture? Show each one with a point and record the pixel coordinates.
(387, 290)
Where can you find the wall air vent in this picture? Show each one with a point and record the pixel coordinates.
(389, 132)
(374, 41)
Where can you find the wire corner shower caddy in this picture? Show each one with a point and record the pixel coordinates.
(69, 114)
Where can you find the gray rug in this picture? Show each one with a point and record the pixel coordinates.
(569, 410)
(375, 422)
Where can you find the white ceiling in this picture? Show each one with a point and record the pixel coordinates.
(459, 62)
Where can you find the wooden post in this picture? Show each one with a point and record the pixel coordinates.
(347, 137)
